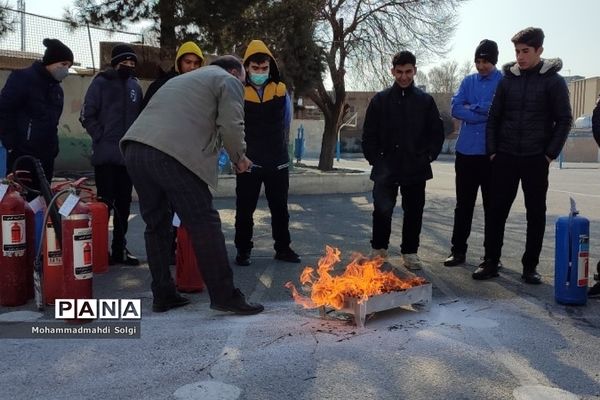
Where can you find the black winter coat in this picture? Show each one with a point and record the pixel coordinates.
(31, 103)
(157, 84)
(110, 107)
(402, 134)
(531, 113)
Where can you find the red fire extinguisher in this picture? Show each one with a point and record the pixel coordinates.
(30, 237)
(187, 275)
(99, 213)
(77, 268)
(14, 260)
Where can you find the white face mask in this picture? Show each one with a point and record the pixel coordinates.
(60, 73)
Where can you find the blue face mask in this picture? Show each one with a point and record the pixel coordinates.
(259, 79)
(60, 73)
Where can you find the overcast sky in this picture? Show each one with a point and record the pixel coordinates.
(571, 29)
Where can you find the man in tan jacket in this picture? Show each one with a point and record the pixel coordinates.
(171, 154)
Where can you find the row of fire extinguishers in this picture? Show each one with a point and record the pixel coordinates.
(52, 246)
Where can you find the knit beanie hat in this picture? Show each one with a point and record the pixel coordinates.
(122, 52)
(488, 50)
(56, 51)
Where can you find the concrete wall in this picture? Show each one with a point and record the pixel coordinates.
(313, 136)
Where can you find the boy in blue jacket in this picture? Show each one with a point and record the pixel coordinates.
(471, 105)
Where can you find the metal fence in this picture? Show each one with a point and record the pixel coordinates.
(27, 31)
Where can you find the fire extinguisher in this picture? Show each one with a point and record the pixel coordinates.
(572, 258)
(14, 259)
(187, 275)
(53, 268)
(77, 261)
(30, 237)
(100, 216)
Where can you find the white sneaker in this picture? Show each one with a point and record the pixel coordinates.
(412, 261)
(379, 253)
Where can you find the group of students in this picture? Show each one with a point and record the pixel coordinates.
(185, 117)
(166, 144)
(513, 124)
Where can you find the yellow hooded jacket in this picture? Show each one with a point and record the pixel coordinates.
(265, 116)
(188, 48)
(185, 48)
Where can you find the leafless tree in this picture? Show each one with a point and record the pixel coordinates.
(7, 21)
(444, 78)
(362, 36)
(465, 69)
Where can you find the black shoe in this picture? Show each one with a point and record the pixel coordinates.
(237, 304)
(594, 291)
(243, 258)
(173, 302)
(454, 259)
(531, 277)
(487, 269)
(288, 255)
(123, 257)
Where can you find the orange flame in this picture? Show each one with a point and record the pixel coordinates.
(361, 279)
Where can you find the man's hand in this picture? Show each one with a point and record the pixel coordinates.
(243, 165)
(492, 157)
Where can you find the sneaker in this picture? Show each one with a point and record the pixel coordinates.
(124, 257)
(287, 255)
(412, 261)
(382, 253)
(173, 302)
(243, 258)
(455, 259)
(594, 291)
(487, 269)
(237, 304)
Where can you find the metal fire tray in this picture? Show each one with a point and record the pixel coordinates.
(416, 295)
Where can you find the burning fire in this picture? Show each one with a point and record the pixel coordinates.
(361, 279)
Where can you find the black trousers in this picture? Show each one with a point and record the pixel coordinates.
(162, 184)
(114, 188)
(28, 165)
(507, 172)
(247, 191)
(472, 173)
(384, 201)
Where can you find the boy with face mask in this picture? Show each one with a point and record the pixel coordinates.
(112, 102)
(31, 104)
(267, 110)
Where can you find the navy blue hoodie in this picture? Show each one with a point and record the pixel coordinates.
(110, 107)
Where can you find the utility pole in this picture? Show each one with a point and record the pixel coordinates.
(21, 8)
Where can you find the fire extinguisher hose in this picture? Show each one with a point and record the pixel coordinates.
(45, 191)
(38, 269)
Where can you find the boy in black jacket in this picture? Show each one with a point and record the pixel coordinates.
(529, 121)
(402, 134)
